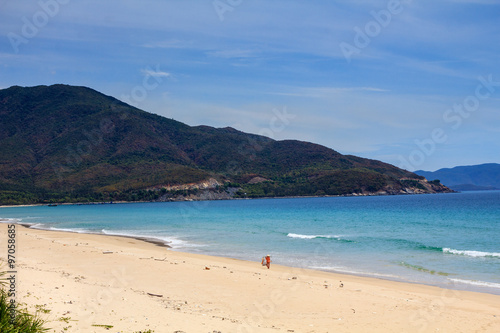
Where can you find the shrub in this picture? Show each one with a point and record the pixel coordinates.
(15, 320)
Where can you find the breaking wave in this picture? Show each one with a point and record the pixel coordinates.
(477, 283)
(468, 253)
(332, 237)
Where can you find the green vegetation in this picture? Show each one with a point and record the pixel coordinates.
(412, 183)
(73, 144)
(42, 309)
(103, 326)
(337, 182)
(435, 182)
(14, 319)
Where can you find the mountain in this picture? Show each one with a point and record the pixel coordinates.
(64, 143)
(467, 178)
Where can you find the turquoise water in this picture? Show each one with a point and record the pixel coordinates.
(449, 240)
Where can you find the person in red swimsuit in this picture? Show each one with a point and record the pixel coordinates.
(268, 261)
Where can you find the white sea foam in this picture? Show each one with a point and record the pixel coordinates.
(291, 235)
(174, 242)
(126, 233)
(33, 225)
(75, 230)
(477, 254)
(177, 243)
(38, 226)
(477, 283)
(41, 226)
(114, 233)
(9, 220)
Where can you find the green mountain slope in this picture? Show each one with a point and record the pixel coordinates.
(66, 143)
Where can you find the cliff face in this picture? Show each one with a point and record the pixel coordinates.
(412, 186)
(214, 190)
(64, 143)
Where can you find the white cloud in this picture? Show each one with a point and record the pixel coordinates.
(153, 73)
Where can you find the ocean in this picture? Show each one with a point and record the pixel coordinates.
(447, 240)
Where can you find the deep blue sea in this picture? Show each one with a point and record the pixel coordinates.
(448, 240)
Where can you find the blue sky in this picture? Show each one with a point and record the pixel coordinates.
(412, 83)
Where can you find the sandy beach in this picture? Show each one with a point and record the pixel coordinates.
(95, 283)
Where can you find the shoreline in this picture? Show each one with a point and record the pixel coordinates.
(465, 285)
(133, 285)
(152, 240)
(370, 194)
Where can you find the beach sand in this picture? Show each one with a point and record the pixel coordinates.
(82, 282)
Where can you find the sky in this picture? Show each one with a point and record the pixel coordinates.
(413, 83)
